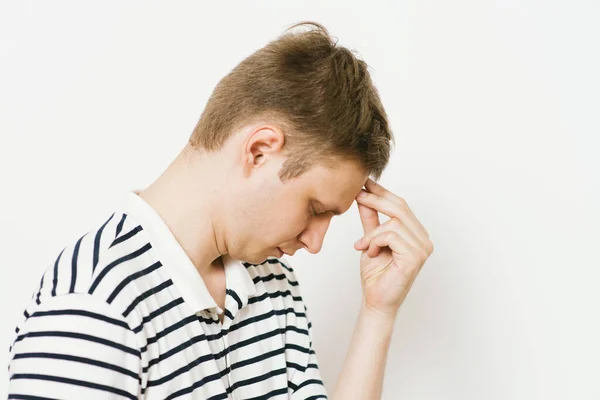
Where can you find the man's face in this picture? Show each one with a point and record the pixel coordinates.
(273, 214)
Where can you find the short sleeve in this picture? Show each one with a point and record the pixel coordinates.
(74, 346)
(306, 382)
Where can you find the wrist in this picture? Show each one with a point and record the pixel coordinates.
(377, 315)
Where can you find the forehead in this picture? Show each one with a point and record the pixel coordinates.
(337, 185)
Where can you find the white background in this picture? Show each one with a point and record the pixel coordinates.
(495, 108)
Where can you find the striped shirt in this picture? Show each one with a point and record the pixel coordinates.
(123, 313)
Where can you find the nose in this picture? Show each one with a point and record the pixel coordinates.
(313, 235)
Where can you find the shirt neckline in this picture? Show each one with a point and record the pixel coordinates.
(179, 266)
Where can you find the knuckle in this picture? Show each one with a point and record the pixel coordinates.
(402, 202)
(396, 223)
(429, 247)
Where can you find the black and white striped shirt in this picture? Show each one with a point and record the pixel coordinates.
(123, 313)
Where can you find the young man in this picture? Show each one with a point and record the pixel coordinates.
(181, 292)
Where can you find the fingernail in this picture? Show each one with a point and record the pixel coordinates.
(358, 242)
(362, 193)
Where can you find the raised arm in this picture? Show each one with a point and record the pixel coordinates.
(392, 256)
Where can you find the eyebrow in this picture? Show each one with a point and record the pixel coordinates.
(336, 211)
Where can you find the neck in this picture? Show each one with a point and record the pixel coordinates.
(183, 197)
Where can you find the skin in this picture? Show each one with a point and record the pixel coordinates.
(233, 202)
(393, 254)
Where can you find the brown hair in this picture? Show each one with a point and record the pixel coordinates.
(320, 95)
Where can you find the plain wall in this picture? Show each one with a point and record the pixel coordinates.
(495, 109)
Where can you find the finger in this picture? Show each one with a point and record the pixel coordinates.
(394, 225)
(369, 218)
(379, 190)
(394, 210)
(382, 242)
(397, 245)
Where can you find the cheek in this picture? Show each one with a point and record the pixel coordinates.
(274, 221)
(283, 226)
(296, 223)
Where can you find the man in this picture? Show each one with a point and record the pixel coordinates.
(182, 292)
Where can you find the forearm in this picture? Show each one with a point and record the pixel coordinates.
(363, 370)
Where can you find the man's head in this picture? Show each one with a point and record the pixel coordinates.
(297, 124)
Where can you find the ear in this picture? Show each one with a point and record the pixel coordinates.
(263, 143)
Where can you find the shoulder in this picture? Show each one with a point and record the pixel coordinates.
(73, 267)
(94, 264)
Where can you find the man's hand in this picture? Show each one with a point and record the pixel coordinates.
(393, 252)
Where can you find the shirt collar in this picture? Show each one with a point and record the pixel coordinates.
(180, 268)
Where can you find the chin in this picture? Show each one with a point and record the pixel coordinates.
(257, 258)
